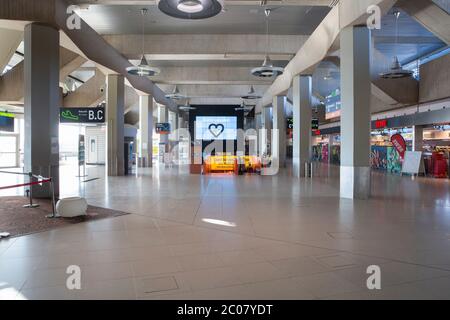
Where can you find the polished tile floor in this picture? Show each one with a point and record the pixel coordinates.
(246, 237)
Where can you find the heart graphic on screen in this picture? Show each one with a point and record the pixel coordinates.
(216, 129)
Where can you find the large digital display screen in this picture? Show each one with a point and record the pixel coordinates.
(6, 122)
(333, 105)
(215, 128)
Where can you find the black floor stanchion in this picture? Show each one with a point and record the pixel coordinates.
(54, 214)
(31, 204)
(39, 181)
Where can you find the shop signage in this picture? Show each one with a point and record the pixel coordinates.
(315, 124)
(399, 144)
(290, 123)
(381, 124)
(162, 128)
(82, 115)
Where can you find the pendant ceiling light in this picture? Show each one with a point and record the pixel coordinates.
(267, 70)
(175, 95)
(396, 70)
(187, 107)
(191, 9)
(143, 69)
(244, 107)
(251, 95)
(328, 76)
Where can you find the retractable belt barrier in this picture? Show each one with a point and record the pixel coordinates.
(26, 184)
(40, 180)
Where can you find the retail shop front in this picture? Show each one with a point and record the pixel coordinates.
(427, 132)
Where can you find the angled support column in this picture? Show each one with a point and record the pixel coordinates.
(115, 101)
(302, 95)
(355, 118)
(279, 131)
(146, 129)
(42, 101)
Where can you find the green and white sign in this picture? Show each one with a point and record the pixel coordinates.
(82, 115)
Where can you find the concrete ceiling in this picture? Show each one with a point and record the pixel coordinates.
(414, 40)
(126, 19)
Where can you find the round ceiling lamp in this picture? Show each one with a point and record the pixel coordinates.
(396, 70)
(191, 9)
(244, 107)
(187, 107)
(251, 95)
(267, 70)
(175, 95)
(143, 69)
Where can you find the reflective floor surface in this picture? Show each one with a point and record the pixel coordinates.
(245, 237)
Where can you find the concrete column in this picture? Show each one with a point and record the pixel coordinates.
(265, 132)
(355, 118)
(279, 131)
(146, 129)
(163, 117)
(258, 124)
(115, 100)
(42, 99)
(163, 114)
(302, 135)
(417, 138)
(180, 120)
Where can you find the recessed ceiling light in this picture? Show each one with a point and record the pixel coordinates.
(191, 9)
(190, 6)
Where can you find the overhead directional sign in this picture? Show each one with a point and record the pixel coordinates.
(82, 115)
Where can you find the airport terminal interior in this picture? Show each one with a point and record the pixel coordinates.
(224, 149)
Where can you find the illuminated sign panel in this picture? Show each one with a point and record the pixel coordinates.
(333, 105)
(215, 128)
(162, 128)
(6, 122)
(82, 115)
(381, 124)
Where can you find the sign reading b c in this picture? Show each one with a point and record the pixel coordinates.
(82, 115)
